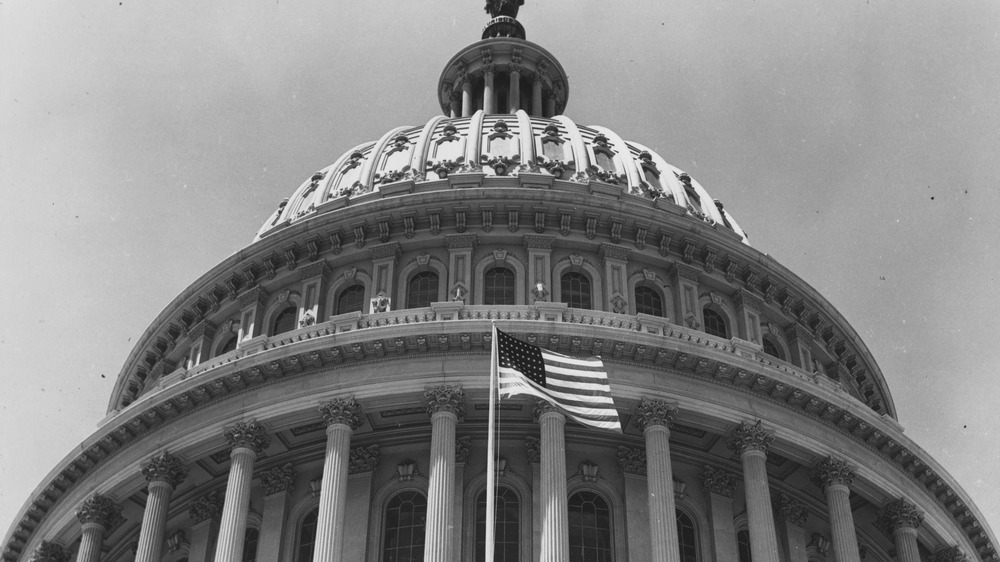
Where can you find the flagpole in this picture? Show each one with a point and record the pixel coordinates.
(491, 474)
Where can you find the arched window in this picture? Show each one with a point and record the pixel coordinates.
(589, 528)
(686, 538)
(229, 345)
(575, 290)
(250, 540)
(498, 286)
(284, 321)
(771, 349)
(351, 299)
(422, 289)
(405, 521)
(307, 537)
(507, 536)
(648, 301)
(715, 324)
(743, 545)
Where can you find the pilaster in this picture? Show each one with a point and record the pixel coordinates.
(748, 307)
(792, 517)
(313, 293)
(460, 247)
(277, 483)
(539, 267)
(685, 278)
(204, 513)
(615, 260)
(720, 487)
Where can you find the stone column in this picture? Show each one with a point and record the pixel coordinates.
(204, 514)
(750, 442)
(445, 406)
(489, 96)
(277, 484)
(654, 417)
(455, 104)
(342, 417)
(721, 486)
(164, 473)
(536, 96)
(834, 476)
(900, 520)
(97, 514)
(555, 510)
(467, 99)
(514, 92)
(550, 104)
(246, 440)
(50, 552)
(792, 516)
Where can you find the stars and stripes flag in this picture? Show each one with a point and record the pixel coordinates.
(578, 386)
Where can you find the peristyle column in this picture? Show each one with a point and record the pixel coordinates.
(750, 442)
(342, 417)
(445, 405)
(246, 440)
(489, 96)
(654, 417)
(900, 520)
(555, 510)
(466, 99)
(97, 514)
(834, 476)
(163, 473)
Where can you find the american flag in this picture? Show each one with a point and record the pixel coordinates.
(578, 386)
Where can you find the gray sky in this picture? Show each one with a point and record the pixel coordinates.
(143, 142)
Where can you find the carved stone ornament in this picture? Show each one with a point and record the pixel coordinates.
(207, 507)
(719, 482)
(632, 460)
(820, 543)
(533, 446)
(950, 554)
(247, 435)
(898, 514)
(278, 479)
(363, 459)
(50, 552)
(589, 471)
(164, 468)
(792, 510)
(462, 446)
(344, 411)
(99, 509)
(446, 398)
(539, 293)
(406, 470)
(750, 437)
(831, 471)
(654, 412)
(541, 407)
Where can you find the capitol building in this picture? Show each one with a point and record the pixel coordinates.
(323, 394)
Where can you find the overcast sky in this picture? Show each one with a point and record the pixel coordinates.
(857, 141)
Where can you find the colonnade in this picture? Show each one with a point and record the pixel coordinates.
(899, 519)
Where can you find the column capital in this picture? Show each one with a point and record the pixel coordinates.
(533, 446)
(343, 411)
(50, 552)
(750, 437)
(205, 508)
(649, 413)
(632, 460)
(278, 479)
(542, 407)
(898, 514)
(165, 468)
(100, 510)
(950, 554)
(445, 398)
(792, 510)
(718, 481)
(247, 435)
(462, 446)
(830, 471)
(363, 459)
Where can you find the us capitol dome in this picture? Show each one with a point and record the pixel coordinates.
(322, 394)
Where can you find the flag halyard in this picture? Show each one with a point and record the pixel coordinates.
(578, 386)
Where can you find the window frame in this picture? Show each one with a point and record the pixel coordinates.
(523, 491)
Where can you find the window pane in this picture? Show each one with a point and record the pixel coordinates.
(589, 528)
(250, 545)
(351, 299)
(575, 289)
(506, 538)
(771, 349)
(743, 544)
(284, 322)
(228, 346)
(686, 537)
(498, 286)
(714, 324)
(648, 301)
(422, 290)
(307, 537)
(405, 521)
